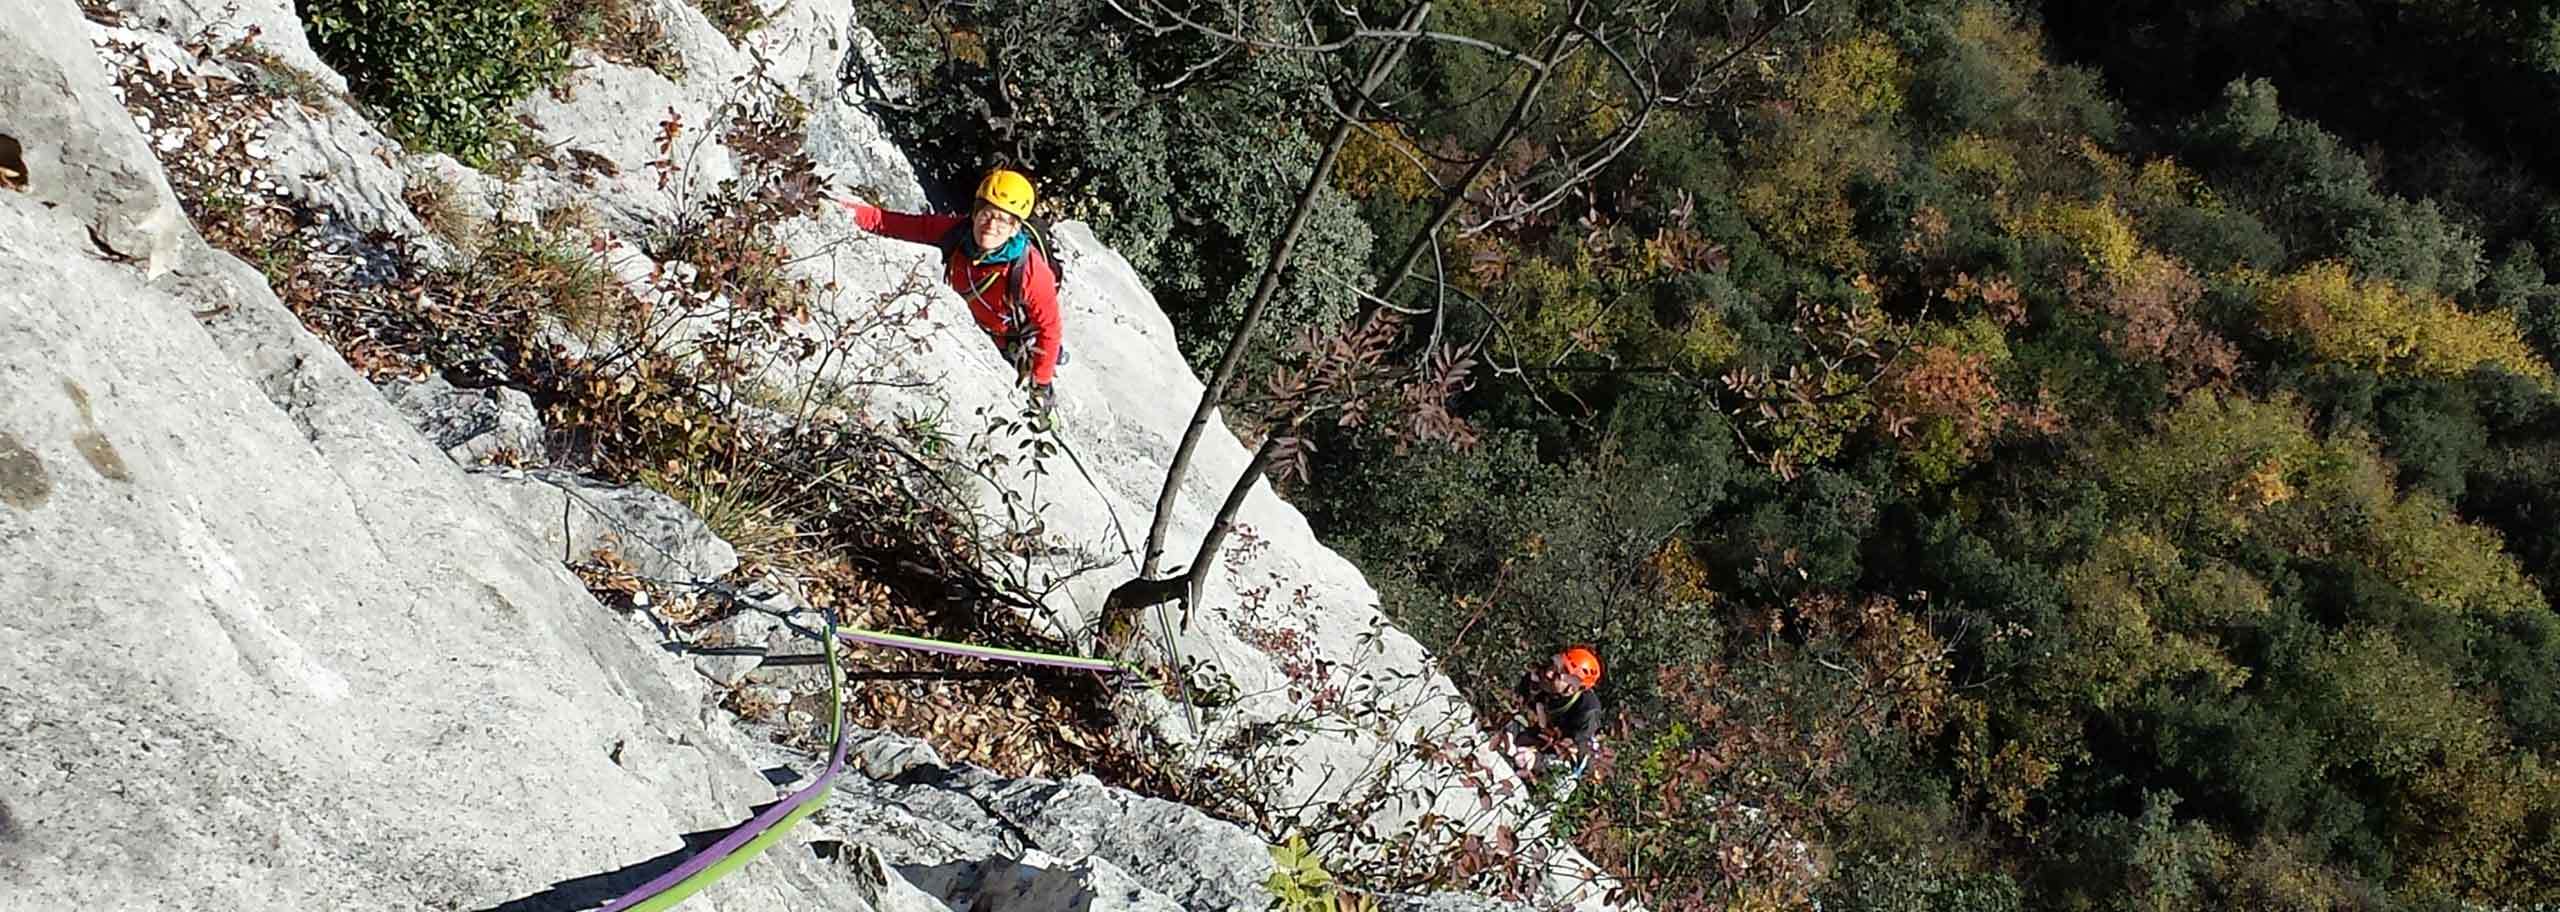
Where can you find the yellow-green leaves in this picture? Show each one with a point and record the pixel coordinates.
(2097, 231)
(1855, 79)
(2378, 325)
(1299, 882)
(2141, 610)
(2220, 468)
(1796, 186)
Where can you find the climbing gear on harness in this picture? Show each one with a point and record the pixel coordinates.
(1017, 350)
(1043, 399)
(1020, 333)
(1008, 190)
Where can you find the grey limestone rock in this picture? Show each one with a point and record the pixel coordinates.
(1448, 902)
(1198, 861)
(473, 427)
(572, 516)
(313, 669)
(1085, 885)
(77, 148)
(325, 587)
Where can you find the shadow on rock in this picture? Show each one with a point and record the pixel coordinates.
(578, 894)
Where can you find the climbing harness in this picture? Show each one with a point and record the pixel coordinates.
(1016, 278)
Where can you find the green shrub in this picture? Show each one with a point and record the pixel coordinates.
(1872, 885)
(2433, 432)
(2416, 244)
(442, 74)
(1300, 883)
(2150, 863)
(2216, 239)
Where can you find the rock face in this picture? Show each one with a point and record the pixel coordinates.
(573, 517)
(268, 649)
(273, 648)
(80, 156)
(977, 840)
(473, 427)
(1365, 702)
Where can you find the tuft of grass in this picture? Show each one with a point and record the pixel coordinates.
(569, 221)
(749, 505)
(272, 76)
(735, 18)
(545, 272)
(438, 205)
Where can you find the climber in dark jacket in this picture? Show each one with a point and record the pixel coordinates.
(1560, 708)
(1560, 697)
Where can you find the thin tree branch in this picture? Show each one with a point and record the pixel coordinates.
(1196, 577)
(1264, 290)
(1560, 43)
(1355, 36)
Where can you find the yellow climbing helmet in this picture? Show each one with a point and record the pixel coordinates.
(1008, 190)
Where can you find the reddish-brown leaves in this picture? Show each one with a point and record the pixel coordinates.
(1361, 377)
(2155, 303)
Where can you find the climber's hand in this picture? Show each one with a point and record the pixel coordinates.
(1043, 398)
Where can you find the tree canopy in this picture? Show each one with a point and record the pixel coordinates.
(2101, 456)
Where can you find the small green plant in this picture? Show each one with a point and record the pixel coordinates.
(1301, 884)
(623, 31)
(443, 74)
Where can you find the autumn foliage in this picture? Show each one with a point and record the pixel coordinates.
(2000, 480)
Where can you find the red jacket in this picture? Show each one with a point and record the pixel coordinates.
(983, 285)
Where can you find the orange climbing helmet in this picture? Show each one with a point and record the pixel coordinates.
(1582, 663)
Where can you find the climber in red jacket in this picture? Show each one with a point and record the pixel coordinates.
(990, 259)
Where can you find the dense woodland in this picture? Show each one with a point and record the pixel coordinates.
(2079, 456)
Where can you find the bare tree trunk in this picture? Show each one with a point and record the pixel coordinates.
(1196, 575)
(1195, 578)
(1148, 590)
(1264, 290)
